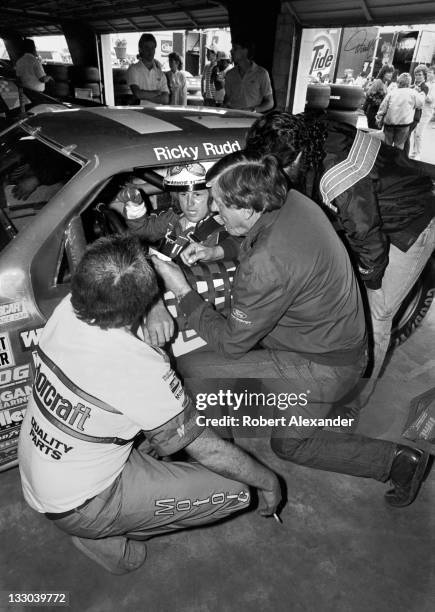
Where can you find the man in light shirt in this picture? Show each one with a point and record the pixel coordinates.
(105, 406)
(247, 85)
(29, 69)
(146, 78)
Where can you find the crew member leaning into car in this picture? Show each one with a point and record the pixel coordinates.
(383, 201)
(78, 462)
(297, 321)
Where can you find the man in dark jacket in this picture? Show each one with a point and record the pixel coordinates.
(297, 322)
(382, 200)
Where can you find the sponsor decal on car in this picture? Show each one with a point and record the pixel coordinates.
(13, 375)
(6, 354)
(15, 396)
(12, 311)
(29, 338)
(11, 417)
(205, 149)
(9, 434)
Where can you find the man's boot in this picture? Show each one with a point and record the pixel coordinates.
(407, 473)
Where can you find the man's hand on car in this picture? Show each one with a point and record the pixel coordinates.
(172, 275)
(158, 327)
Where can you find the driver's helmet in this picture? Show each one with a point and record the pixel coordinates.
(188, 177)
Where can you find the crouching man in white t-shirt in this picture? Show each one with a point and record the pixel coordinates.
(97, 386)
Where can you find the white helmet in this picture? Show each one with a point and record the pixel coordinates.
(189, 177)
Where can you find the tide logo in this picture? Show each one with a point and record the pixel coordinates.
(323, 53)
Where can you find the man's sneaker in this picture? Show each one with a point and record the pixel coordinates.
(118, 555)
(407, 473)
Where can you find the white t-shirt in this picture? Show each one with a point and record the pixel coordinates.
(154, 79)
(29, 70)
(93, 389)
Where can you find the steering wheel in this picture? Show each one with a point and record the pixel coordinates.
(108, 221)
(115, 223)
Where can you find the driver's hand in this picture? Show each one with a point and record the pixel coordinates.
(25, 187)
(158, 327)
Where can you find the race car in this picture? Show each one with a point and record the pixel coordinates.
(59, 175)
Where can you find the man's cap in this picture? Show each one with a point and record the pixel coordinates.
(222, 55)
(212, 47)
(189, 177)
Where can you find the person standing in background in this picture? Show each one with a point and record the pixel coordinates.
(146, 78)
(247, 85)
(393, 84)
(207, 87)
(29, 69)
(376, 93)
(176, 81)
(396, 113)
(218, 76)
(423, 84)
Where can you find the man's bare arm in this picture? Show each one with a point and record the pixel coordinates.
(232, 462)
(152, 95)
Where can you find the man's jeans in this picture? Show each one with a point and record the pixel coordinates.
(286, 374)
(417, 135)
(400, 275)
(396, 136)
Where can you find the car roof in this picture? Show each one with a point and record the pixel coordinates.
(155, 135)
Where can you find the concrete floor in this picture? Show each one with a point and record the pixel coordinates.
(339, 548)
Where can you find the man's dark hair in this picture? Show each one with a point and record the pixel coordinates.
(245, 43)
(421, 68)
(28, 46)
(174, 56)
(285, 136)
(244, 180)
(113, 285)
(384, 70)
(147, 37)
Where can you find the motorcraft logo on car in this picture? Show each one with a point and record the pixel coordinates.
(6, 354)
(205, 149)
(30, 338)
(12, 311)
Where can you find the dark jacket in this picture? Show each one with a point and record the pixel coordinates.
(294, 290)
(393, 204)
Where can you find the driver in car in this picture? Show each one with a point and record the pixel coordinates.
(189, 220)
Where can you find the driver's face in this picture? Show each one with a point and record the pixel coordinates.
(194, 204)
